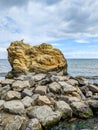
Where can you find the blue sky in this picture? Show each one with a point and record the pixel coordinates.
(70, 25)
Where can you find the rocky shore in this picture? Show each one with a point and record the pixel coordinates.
(35, 99)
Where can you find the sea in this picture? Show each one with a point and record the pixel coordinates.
(87, 68)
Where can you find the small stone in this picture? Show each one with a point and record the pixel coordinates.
(72, 82)
(15, 123)
(43, 100)
(38, 77)
(7, 82)
(93, 88)
(64, 108)
(20, 85)
(45, 115)
(67, 88)
(33, 124)
(27, 101)
(89, 94)
(81, 109)
(59, 78)
(14, 106)
(41, 90)
(55, 87)
(1, 104)
(13, 95)
(27, 92)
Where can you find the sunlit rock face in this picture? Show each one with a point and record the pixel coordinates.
(40, 58)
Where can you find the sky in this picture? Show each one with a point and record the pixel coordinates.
(69, 25)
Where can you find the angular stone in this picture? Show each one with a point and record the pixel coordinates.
(45, 115)
(33, 124)
(27, 101)
(27, 92)
(89, 94)
(38, 77)
(41, 90)
(14, 106)
(82, 81)
(67, 88)
(72, 82)
(13, 95)
(20, 85)
(81, 109)
(93, 88)
(15, 123)
(7, 82)
(1, 104)
(55, 87)
(43, 100)
(64, 108)
(59, 78)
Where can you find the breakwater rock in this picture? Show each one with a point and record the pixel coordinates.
(38, 100)
(41, 58)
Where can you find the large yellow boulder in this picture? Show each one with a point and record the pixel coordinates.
(41, 58)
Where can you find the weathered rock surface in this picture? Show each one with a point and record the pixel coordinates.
(14, 106)
(45, 115)
(43, 100)
(13, 95)
(1, 104)
(40, 58)
(41, 90)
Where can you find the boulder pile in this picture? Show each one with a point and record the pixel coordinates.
(36, 100)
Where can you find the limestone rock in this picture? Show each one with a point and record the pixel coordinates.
(14, 106)
(41, 58)
(64, 108)
(1, 104)
(81, 109)
(20, 85)
(7, 81)
(45, 115)
(15, 123)
(43, 100)
(13, 95)
(41, 90)
(27, 92)
(33, 124)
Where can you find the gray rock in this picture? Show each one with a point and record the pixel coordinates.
(64, 108)
(45, 115)
(67, 88)
(27, 101)
(41, 90)
(81, 94)
(81, 109)
(93, 88)
(89, 94)
(59, 78)
(14, 106)
(33, 124)
(15, 123)
(1, 104)
(3, 91)
(20, 85)
(55, 87)
(13, 95)
(72, 82)
(82, 81)
(27, 92)
(7, 82)
(38, 77)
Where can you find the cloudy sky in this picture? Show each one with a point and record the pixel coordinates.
(70, 25)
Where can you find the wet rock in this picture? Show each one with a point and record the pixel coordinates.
(14, 106)
(64, 108)
(67, 88)
(13, 95)
(1, 104)
(27, 92)
(27, 101)
(41, 90)
(81, 109)
(7, 82)
(43, 100)
(15, 123)
(33, 124)
(45, 115)
(55, 87)
(20, 85)
(93, 88)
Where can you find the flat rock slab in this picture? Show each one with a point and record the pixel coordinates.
(38, 77)
(13, 95)
(15, 123)
(45, 115)
(14, 106)
(64, 108)
(41, 90)
(67, 88)
(1, 104)
(20, 85)
(7, 81)
(81, 109)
